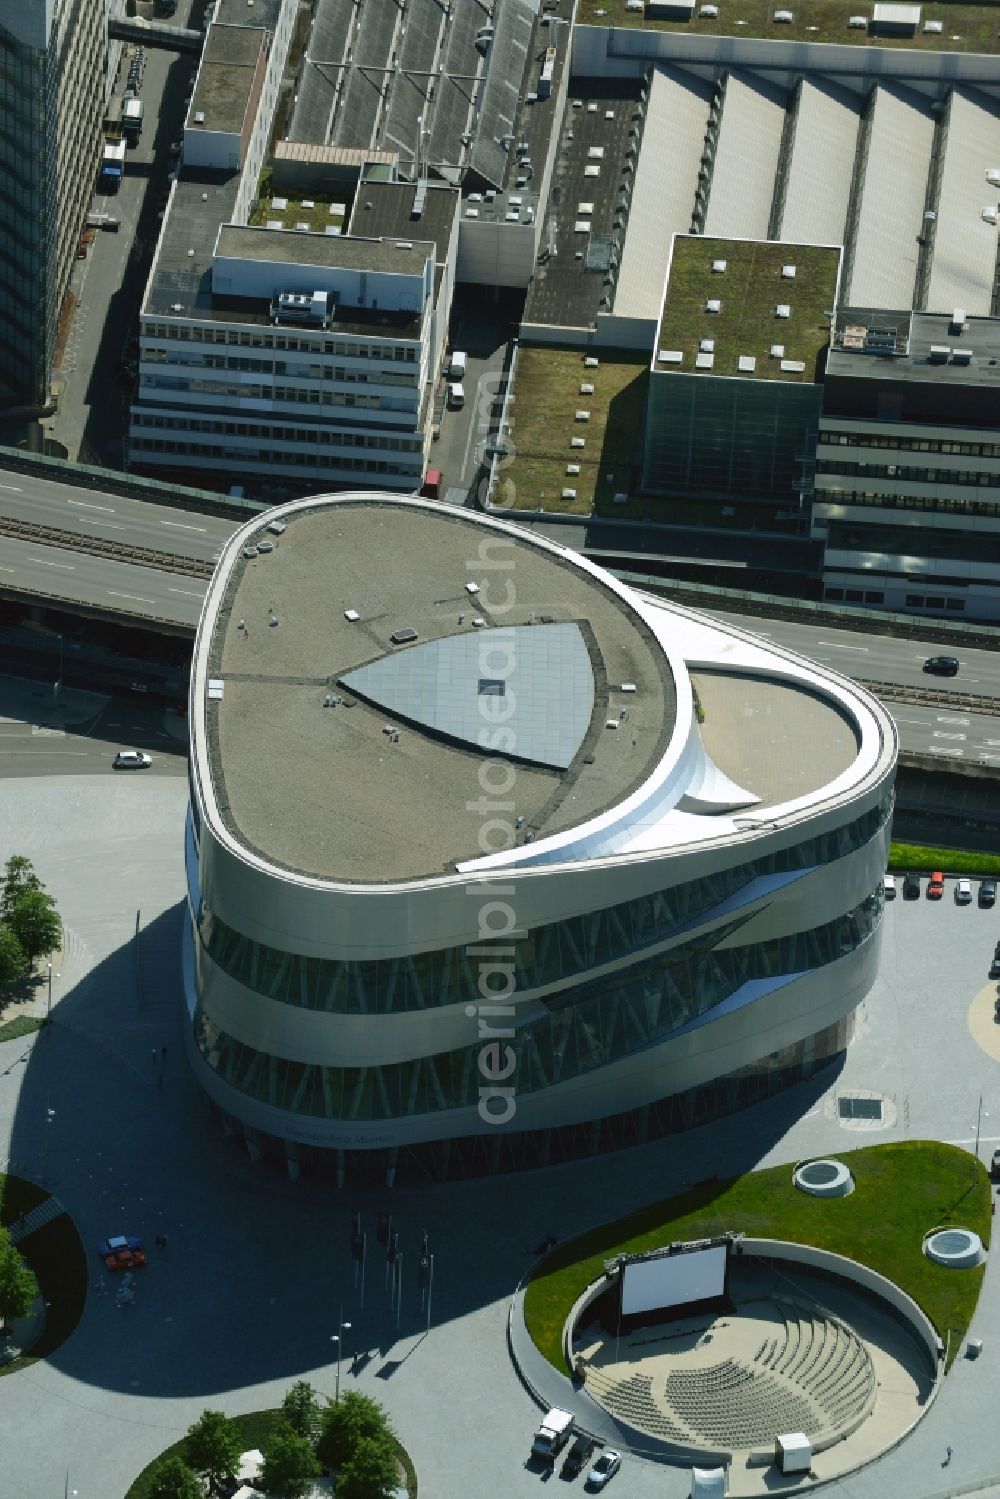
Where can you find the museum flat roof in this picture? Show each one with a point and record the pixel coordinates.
(338, 753)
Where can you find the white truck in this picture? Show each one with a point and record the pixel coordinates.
(554, 1431)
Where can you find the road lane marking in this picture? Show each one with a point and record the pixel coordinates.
(186, 592)
(67, 567)
(136, 598)
(918, 723)
(942, 718)
(84, 505)
(837, 646)
(14, 488)
(940, 734)
(179, 525)
(113, 525)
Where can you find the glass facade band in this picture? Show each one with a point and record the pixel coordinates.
(588, 1027)
(543, 956)
(500, 1151)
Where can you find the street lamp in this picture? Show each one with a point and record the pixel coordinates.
(48, 1008)
(338, 1338)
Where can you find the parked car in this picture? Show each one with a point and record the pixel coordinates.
(888, 887)
(963, 892)
(935, 885)
(911, 886)
(117, 1242)
(987, 893)
(132, 760)
(125, 1259)
(578, 1455)
(606, 1467)
(942, 666)
(995, 1166)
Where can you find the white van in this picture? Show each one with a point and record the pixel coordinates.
(456, 395)
(456, 368)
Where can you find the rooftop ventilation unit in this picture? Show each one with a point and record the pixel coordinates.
(783, 310)
(961, 356)
(989, 213)
(958, 321)
(858, 23)
(993, 176)
(352, 616)
(719, 267)
(709, 12)
(785, 17)
(788, 272)
(713, 305)
(939, 354)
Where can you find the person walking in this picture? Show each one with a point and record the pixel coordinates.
(947, 1457)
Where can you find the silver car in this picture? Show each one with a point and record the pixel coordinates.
(606, 1467)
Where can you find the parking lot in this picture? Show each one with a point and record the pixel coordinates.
(218, 1319)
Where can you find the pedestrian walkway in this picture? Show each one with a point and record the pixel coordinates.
(29, 1223)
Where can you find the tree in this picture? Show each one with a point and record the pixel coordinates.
(213, 1448)
(18, 1286)
(35, 923)
(173, 1479)
(19, 878)
(372, 1472)
(290, 1464)
(354, 1418)
(301, 1410)
(12, 959)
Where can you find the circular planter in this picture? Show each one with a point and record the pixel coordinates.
(823, 1179)
(955, 1248)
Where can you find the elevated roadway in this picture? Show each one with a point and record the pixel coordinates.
(69, 546)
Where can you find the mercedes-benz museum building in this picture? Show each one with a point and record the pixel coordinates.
(494, 860)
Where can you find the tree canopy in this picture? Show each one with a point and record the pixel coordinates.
(290, 1465)
(301, 1410)
(372, 1472)
(18, 1286)
(35, 923)
(213, 1448)
(353, 1419)
(173, 1479)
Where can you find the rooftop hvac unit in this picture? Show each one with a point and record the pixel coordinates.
(708, 11)
(990, 213)
(784, 17)
(961, 356)
(858, 23)
(783, 310)
(993, 176)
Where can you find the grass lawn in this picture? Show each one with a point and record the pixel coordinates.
(254, 1429)
(21, 1025)
(966, 28)
(57, 1256)
(902, 1192)
(546, 397)
(921, 858)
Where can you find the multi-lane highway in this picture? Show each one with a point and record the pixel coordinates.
(106, 582)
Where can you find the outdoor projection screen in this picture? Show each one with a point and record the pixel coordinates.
(673, 1280)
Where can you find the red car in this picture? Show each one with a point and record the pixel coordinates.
(935, 885)
(124, 1259)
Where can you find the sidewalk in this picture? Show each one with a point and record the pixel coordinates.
(34, 702)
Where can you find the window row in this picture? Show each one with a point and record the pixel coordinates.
(544, 956)
(912, 444)
(908, 501)
(183, 359)
(974, 478)
(266, 455)
(271, 433)
(600, 1024)
(265, 339)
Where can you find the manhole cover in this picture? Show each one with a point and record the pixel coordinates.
(860, 1108)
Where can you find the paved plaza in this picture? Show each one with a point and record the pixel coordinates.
(248, 1292)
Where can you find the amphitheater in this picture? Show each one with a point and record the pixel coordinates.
(793, 1353)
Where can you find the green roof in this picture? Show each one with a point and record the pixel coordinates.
(964, 28)
(746, 325)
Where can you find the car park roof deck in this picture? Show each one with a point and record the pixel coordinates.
(749, 290)
(323, 791)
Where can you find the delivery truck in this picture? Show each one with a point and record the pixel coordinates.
(554, 1431)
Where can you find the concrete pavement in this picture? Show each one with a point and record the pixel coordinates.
(247, 1296)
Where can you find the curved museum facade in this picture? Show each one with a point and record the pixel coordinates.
(494, 860)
